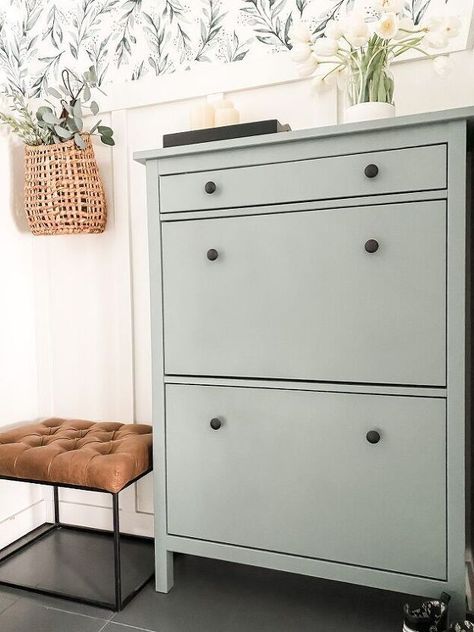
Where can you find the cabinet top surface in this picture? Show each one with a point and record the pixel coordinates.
(444, 116)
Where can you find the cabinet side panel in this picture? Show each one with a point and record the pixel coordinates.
(164, 560)
(456, 361)
(469, 374)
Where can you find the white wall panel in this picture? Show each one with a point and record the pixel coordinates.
(18, 357)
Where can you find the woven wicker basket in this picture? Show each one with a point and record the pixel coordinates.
(63, 190)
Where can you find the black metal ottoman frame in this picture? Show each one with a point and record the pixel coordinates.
(120, 601)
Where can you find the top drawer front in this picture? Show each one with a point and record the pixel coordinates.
(399, 171)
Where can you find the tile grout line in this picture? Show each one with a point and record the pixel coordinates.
(2, 612)
(79, 614)
(13, 596)
(127, 625)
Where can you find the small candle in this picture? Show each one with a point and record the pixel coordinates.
(226, 113)
(202, 116)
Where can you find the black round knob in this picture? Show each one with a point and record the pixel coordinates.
(216, 423)
(373, 436)
(210, 187)
(371, 171)
(212, 254)
(371, 246)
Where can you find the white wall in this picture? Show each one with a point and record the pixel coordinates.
(92, 309)
(21, 506)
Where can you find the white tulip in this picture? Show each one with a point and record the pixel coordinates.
(387, 26)
(300, 52)
(442, 65)
(325, 47)
(300, 33)
(356, 30)
(307, 68)
(440, 30)
(436, 39)
(432, 24)
(450, 26)
(404, 25)
(333, 30)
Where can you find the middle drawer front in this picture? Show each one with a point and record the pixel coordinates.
(293, 472)
(297, 296)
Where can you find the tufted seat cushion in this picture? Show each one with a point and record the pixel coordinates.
(103, 456)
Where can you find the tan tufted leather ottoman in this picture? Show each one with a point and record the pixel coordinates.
(102, 456)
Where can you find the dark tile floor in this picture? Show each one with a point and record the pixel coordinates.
(212, 596)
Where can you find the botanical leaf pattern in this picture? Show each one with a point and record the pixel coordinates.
(272, 20)
(127, 39)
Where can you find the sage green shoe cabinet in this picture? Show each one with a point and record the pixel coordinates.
(310, 327)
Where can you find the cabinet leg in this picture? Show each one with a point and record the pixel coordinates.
(457, 607)
(164, 570)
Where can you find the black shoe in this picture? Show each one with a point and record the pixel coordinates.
(431, 616)
(467, 626)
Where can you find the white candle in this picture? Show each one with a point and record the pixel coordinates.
(226, 113)
(226, 116)
(202, 116)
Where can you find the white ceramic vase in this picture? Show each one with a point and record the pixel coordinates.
(369, 111)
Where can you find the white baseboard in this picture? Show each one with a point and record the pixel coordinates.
(101, 518)
(22, 522)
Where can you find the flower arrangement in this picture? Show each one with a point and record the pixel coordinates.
(357, 49)
(60, 117)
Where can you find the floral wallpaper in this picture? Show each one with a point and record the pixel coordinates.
(127, 39)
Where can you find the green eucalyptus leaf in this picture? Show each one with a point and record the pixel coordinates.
(79, 141)
(105, 131)
(107, 140)
(86, 93)
(77, 109)
(41, 111)
(62, 132)
(94, 108)
(71, 124)
(49, 117)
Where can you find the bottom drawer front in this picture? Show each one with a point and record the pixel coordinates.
(294, 472)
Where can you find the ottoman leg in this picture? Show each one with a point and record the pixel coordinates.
(117, 568)
(56, 505)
